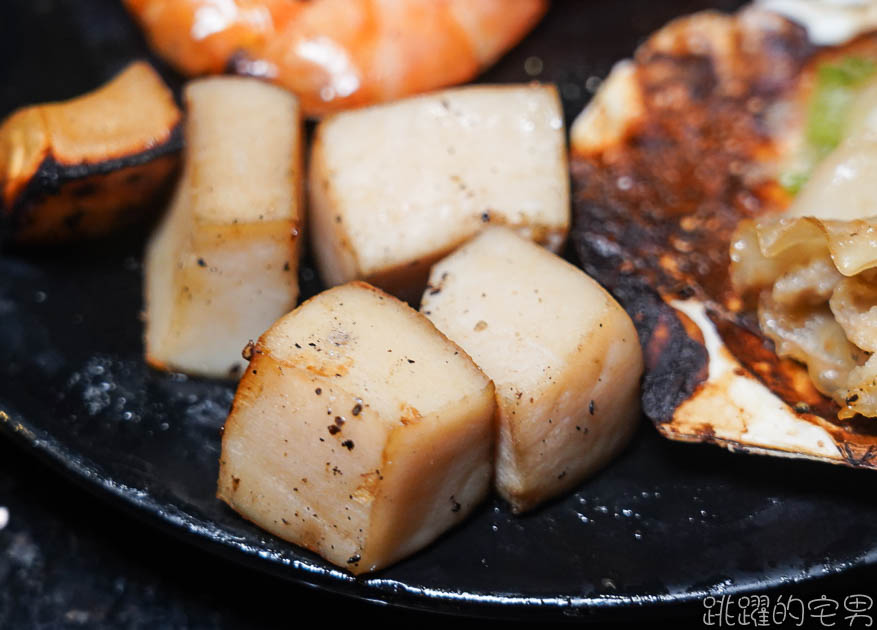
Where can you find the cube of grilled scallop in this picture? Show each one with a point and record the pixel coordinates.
(395, 187)
(358, 431)
(563, 354)
(222, 266)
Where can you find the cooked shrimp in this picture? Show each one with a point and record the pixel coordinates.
(336, 54)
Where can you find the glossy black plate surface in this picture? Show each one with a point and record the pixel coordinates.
(667, 522)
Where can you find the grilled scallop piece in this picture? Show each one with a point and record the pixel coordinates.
(82, 167)
(563, 354)
(223, 264)
(358, 431)
(395, 187)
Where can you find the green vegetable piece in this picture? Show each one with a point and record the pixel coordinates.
(792, 182)
(835, 89)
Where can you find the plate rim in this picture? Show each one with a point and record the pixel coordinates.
(192, 530)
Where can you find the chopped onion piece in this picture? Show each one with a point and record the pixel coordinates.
(817, 286)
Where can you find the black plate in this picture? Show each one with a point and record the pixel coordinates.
(665, 523)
